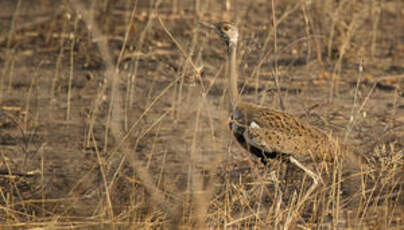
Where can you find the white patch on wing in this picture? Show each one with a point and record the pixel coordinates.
(254, 125)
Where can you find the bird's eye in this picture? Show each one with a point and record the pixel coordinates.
(226, 28)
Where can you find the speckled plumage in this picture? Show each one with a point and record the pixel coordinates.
(280, 134)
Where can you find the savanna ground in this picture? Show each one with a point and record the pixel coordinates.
(113, 114)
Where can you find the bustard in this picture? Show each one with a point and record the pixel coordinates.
(268, 133)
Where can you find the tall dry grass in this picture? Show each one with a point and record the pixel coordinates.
(138, 88)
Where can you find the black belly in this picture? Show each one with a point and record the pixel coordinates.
(262, 154)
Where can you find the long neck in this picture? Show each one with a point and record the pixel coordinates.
(233, 74)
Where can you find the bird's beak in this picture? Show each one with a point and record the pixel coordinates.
(207, 25)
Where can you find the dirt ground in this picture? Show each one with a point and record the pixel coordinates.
(113, 114)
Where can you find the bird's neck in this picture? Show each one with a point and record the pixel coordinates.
(233, 75)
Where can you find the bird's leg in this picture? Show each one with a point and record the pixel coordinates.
(313, 176)
(306, 196)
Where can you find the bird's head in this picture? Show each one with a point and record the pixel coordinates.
(228, 32)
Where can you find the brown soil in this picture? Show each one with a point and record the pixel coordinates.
(103, 131)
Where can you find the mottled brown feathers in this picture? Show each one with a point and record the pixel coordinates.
(282, 133)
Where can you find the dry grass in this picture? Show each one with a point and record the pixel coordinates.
(113, 114)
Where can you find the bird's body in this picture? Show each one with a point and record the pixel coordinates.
(269, 133)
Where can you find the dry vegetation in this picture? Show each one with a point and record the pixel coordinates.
(113, 113)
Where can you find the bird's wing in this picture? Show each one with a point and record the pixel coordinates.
(274, 131)
(273, 140)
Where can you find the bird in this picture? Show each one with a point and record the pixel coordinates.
(268, 133)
